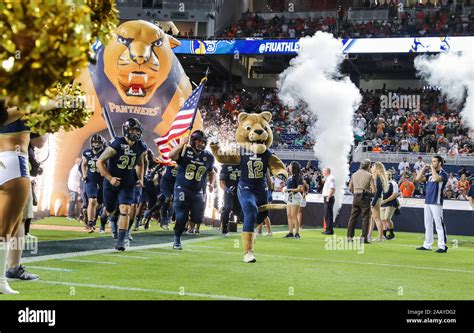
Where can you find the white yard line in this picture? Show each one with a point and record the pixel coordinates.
(149, 291)
(111, 250)
(91, 261)
(124, 256)
(205, 247)
(52, 269)
(343, 261)
(165, 251)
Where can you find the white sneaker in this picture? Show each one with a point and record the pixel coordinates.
(101, 231)
(269, 234)
(258, 234)
(5, 289)
(225, 234)
(249, 257)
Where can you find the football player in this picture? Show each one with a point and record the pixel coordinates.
(92, 178)
(193, 168)
(123, 156)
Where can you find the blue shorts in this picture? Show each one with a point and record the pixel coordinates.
(167, 189)
(250, 199)
(149, 194)
(188, 202)
(137, 193)
(120, 195)
(94, 190)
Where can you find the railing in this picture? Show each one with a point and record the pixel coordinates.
(129, 3)
(288, 154)
(412, 157)
(467, 10)
(170, 5)
(368, 15)
(294, 15)
(360, 153)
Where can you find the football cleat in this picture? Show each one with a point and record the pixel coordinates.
(21, 274)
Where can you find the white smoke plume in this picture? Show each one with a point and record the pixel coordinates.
(314, 78)
(453, 73)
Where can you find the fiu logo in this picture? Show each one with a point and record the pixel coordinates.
(204, 47)
(127, 150)
(198, 47)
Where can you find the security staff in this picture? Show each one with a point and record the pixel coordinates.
(361, 186)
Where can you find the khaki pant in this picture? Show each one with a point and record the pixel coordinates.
(387, 213)
(360, 205)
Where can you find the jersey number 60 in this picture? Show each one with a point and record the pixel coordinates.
(192, 174)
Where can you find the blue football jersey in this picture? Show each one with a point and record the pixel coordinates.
(170, 174)
(193, 168)
(91, 157)
(230, 174)
(254, 169)
(434, 190)
(123, 163)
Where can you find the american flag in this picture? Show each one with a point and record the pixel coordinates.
(183, 122)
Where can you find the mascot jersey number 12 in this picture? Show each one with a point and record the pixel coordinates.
(254, 137)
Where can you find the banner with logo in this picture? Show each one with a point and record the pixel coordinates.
(257, 46)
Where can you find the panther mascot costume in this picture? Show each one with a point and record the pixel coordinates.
(135, 75)
(254, 137)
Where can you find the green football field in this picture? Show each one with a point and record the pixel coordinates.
(210, 267)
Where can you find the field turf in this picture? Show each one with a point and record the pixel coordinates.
(210, 267)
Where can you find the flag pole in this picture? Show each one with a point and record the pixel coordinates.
(108, 121)
(203, 81)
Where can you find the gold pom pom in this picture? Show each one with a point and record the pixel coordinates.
(63, 107)
(46, 43)
(104, 19)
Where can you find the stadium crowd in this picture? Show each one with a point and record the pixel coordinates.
(423, 23)
(435, 128)
(290, 125)
(431, 127)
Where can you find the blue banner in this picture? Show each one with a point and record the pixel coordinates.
(349, 45)
(240, 46)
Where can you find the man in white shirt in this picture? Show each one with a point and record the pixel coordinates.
(403, 166)
(292, 32)
(74, 186)
(404, 144)
(453, 182)
(419, 165)
(328, 194)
